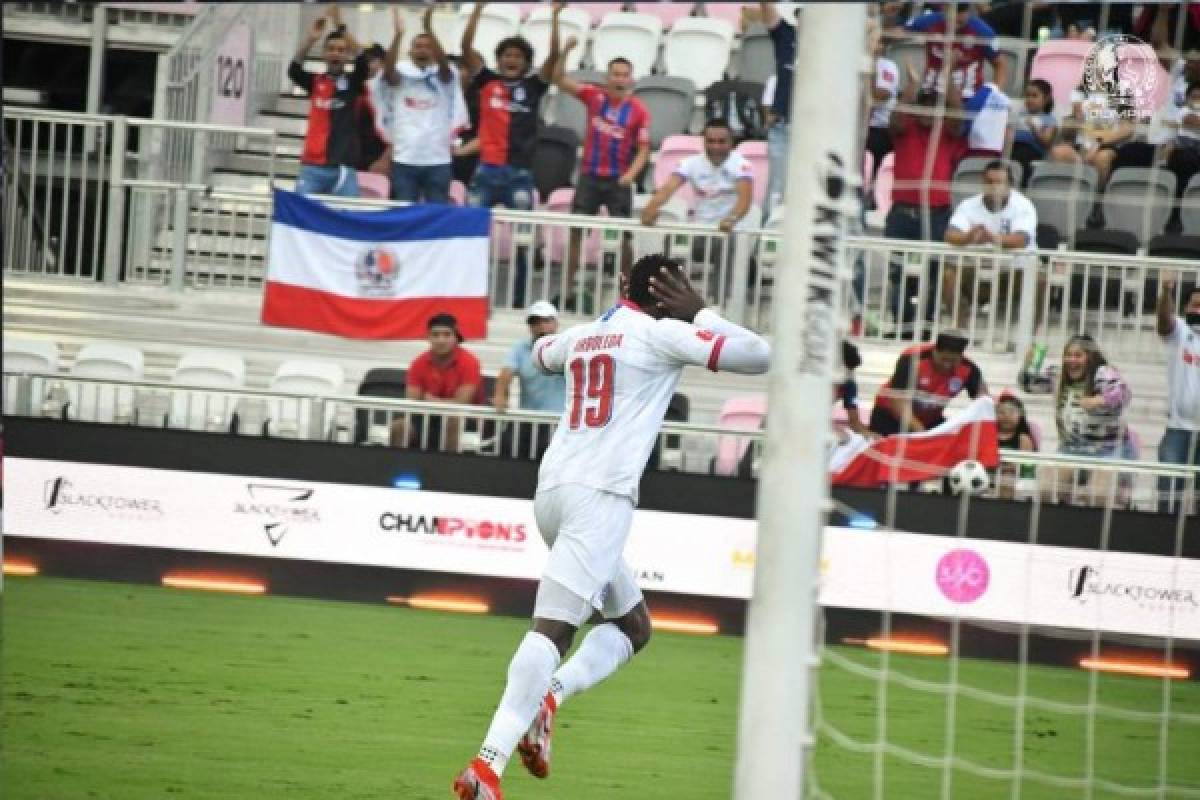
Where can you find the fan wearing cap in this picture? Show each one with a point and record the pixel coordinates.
(927, 377)
(539, 391)
(445, 373)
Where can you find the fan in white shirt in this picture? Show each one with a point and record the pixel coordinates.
(621, 371)
(999, 216)
(721, 179)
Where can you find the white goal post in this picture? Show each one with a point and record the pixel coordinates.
(780, 644)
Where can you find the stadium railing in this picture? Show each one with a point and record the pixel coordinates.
(481, 430)
(113, 213)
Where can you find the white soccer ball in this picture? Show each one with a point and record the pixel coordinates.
(969, 477)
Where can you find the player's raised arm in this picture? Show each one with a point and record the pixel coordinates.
(705, 338)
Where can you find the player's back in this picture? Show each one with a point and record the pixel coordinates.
(621, 371)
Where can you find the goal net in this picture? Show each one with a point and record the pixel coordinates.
(1035, 634)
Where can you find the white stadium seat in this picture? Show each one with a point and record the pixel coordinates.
(633, 36)
(289, 417)
(572, 22)
(109, 361)
(30, 356)
(698, 48)
(104, 361)
(209, 369)
(497, 22)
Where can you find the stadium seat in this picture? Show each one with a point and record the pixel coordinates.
(598, 11)
(29, 356)
(668, 12)
(968, 176)
(743, 413)
(498, 21)
(372, 184)
(1063, 195)
(109, 362)
(670, 101)
(554, 237)
(634, 36)
(371, 427)
(1175, 246)
(698, 47)
(1059, 62)
(448, 27)
(560, 108)
(1138, 201)
(728, 98)
(756, 56)
(1190, 207)
(673, 150)
(104, 361)
(755, 152)
(23, 354)
(554, 158)
(210, 369)
(291, 417)
(573, 21)
(884, 180)
(301, 376)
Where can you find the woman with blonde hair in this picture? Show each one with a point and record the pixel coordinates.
(1090, 405)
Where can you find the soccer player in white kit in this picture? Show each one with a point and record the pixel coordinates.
(621, 371)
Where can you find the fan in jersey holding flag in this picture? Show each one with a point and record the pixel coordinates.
(621, 371)
(927, 377)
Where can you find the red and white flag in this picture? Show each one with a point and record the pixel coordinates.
(376, 274)
(910, 457)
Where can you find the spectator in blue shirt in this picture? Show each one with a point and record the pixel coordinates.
(783, 35)
(539, 391)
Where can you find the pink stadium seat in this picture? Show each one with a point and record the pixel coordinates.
(458, 193)
(598, 10)
(668, 12)
(371, 184)
(525, 8)
(883, 183)
(744, 413)
(673, 150)
(1060, 63)
(730, 12)
(554, 238)
(755, 151)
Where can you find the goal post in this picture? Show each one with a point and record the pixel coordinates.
(780, 643)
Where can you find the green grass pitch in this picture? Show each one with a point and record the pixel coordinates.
(120, 691)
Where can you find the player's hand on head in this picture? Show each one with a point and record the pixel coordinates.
(675, 295)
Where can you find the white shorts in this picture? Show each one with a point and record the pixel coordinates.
(586, 530)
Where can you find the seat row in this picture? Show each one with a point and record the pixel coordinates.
(1136, 205)
(699, 46)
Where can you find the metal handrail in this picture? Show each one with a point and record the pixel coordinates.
(487, 412)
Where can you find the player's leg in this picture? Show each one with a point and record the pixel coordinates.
(558, 612)
(609, 645)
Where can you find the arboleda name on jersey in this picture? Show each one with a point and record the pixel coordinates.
(605, 342)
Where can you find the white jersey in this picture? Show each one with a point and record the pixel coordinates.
(1183, 377)
(621, 371)
(1018, 216)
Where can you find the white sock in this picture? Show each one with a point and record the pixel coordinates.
(601, 653)
(529, 675)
